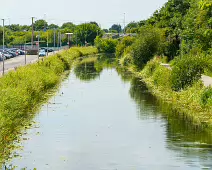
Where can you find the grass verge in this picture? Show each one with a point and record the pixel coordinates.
(23, 92)
(187, 102)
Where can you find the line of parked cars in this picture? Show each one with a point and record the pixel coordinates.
(10, 53)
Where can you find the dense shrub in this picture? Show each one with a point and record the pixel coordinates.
(206, 97)
(123, 44)
(161, 77)
(150, 68)
(159, 74)
(106, 45)
(150, 42)
(186, 71)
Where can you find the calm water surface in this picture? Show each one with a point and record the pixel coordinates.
(108, 121)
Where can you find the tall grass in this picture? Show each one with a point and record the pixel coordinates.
(187, 102)
(23, 91)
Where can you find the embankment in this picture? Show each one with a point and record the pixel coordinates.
(22, 92)
(187, 103)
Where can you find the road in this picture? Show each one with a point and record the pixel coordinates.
(18, 61)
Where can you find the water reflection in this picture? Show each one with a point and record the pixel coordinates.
(190, 142)
(87, 71)
(90, 68)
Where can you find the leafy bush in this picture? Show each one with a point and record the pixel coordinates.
(150, 68)
(106, 45)
(161, 77)
(206, 97)
(150, 42)
(123, 44)
(186, 71)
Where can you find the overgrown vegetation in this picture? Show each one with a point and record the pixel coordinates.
(179, 33)
(194, 101)
(187, 70)
(149, 43)
(106, 45)
(23, 91)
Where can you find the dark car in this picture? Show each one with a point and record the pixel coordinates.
(49, 49)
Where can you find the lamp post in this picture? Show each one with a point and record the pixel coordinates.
(3, 47)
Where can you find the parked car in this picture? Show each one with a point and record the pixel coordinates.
(20, 52)
(7, 55)
(12, 53)
(42, 53)
(2, 56)
(49, 49)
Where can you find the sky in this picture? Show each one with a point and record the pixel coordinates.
(105, 13)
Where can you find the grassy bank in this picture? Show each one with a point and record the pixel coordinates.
(187, 102)
(23, 91)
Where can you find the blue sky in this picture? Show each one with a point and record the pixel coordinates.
(105, 13)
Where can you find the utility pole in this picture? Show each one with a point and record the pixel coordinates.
(54, 38)
(58, 42)
(124, 23)
(3, 46)
(38, 44)
(25, 57)
(32, 31)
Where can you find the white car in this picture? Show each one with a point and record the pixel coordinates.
(42, 53)
(1, 56)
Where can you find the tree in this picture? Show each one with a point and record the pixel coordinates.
(14, 27)
(116, 27)
(68, 25)
(106, 45)
(25, 27)
(105, 30)
(93, 22)
(40, 25)
(150, 42)
(53, 26)
(86, 33)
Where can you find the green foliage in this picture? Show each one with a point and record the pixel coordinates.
(68, 25)
(106, 45)
(186, 71)
(115, 27)
(126, 60)
(40, 25)
(131, 27)
(206, 97)
(150, 42)
(53, 26)
(150, 68)
(86, 33)
(123, 44)
(162, 77)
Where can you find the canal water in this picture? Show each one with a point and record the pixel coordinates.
(104, 119)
